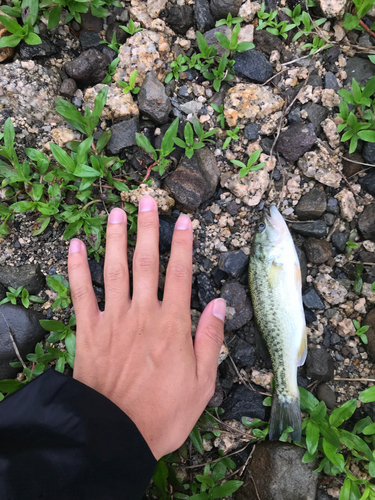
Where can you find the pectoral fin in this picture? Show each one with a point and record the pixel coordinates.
(302, 351)
(274, 273)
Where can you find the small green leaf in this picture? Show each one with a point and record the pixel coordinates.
(196, 439)
(339, 415)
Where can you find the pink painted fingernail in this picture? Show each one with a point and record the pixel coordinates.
(116, 216)
(183, 222)
(147, 204)
(219, 308)
(75, 246)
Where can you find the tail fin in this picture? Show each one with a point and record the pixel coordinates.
(283, 415)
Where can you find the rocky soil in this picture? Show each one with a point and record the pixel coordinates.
(325, 193)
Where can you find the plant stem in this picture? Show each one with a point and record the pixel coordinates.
(90, 203)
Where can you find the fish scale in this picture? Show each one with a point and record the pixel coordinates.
(274, 275)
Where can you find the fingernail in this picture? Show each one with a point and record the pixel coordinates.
(146, 204)
(116, 216)
(183, 222)
(75, 246)
(219, 309)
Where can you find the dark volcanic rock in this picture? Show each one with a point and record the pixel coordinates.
(368, 152)
(218, 397)
(315, 229)
(153, 102)
(279, 474)
(368, 183)
(326, 394)
(366, 222)
(121, 35)
(166, 228)
(221, 8)
(370, 321)
(26, 330)
(90, 40)
(242, 352)
(194, 180)
(339, 242)
(123, 135)
(68, 87)
(203, 16)
(317, 251)
(234, 263)
(91, 22)
(303, 265)
(206, 291)
(333, 206)
(319, 365)
(239, 308)
(253, 65)
(29, 275)
(44, 49)
(242, 402)
(312, 300)
(311, 205)
(2, 292)
(266, 42)
(316, 115)
(296, 141)
(251, 132)
(89, 68)
(181, 18)
(96, 271)
(331, 82)
(359, 68)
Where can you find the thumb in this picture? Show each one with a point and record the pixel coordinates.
(209, 339)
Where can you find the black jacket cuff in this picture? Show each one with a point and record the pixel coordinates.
(62, 440)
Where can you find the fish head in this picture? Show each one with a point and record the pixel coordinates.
(272, 231)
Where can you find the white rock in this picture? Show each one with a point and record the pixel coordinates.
(330, 289)
(155, 6)
(315, 166)
(248, 10)
(347, 204)
(334, 8)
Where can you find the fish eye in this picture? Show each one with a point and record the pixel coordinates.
(261, 227)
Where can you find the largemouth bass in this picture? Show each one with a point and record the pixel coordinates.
(276, 290)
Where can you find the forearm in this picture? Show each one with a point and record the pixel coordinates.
(61, 440)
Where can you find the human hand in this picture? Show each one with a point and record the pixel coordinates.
(139, 352)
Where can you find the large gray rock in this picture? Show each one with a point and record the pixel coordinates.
(221, 8)
(181, 18)
(359, 68)
(368, 152)
(153, 102)
(29, 275)
(123, 135)
(26, 330)
(368, 183)
(253, 65)
(366, 222)
(203, 16)
(279, 474)
(195, 179)
(88, 68)
(319, 365)
(234, 263)
(317, 251)
(314, 229)
(296, 141)
(316, 114)
(239, 308)
(211, 39)
(312, 205)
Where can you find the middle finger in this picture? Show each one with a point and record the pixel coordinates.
(146, 255)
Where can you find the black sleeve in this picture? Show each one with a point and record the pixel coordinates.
(61, 440)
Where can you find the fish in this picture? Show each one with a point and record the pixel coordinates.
(276, 291)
